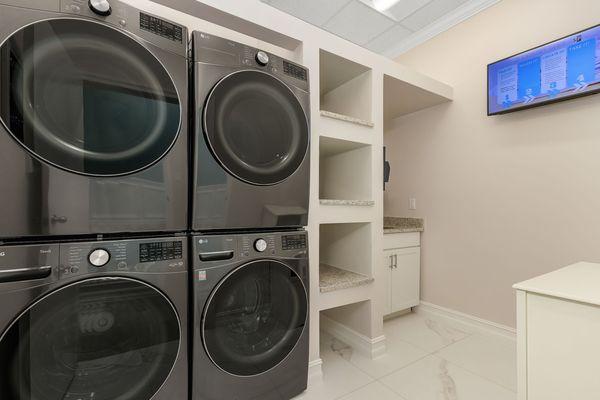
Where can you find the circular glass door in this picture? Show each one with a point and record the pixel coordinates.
(98, 339)
(256, 127)
(254, 318)
(87, 98)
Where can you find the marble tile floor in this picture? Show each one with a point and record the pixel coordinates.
(428, 358)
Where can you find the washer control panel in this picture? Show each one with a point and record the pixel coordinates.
(152, 28)
(161, 27)
(295, 71)
(263, 244)
(213, 250)
(214, 50)
(123, 256)
(160, 251)
(293, 242)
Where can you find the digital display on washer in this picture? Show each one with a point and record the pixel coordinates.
(292, 242)
(160, 251)
(161, 28)
(295, 71)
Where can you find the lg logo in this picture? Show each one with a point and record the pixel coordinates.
(2, 253)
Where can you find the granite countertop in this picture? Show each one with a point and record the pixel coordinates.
(347, 118)
(402, 225)
(332, 278)
(334, 202)
(578, 282)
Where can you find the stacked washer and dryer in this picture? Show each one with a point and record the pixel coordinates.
(94, 172)
(112, 217)
(250, 203)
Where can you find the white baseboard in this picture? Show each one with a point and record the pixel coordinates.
(360, 343)
(315, 369)
(470, 320)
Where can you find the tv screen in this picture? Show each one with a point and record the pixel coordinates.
(560, 70)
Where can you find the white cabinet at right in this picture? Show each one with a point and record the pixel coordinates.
(558, 335)
(402, 266)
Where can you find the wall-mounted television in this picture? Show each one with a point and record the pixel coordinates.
(557, 71)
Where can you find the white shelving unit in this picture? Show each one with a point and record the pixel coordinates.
(350, 200)
(356, 101)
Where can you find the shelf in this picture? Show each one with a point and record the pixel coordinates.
(340, 298)
(346, 88)
(345, 169)
(346, 211)
(337, 129)
(402, 98)
(332, 278)
(346, 118)
(347, 215)
(352, 203)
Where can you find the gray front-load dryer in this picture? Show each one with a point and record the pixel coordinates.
(250, 316)
(103, 320)
(252, 138)
(93, 119)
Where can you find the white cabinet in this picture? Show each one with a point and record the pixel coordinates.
(402, 265)
(558, 326)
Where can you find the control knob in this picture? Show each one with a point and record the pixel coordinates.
(100, 7)
(260, 245)
(99, 257)
(262, 58)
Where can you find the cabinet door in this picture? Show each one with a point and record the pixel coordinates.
(406, 278)
(562, 349)
(386, 272)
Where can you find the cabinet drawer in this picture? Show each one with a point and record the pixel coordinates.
(401, 240)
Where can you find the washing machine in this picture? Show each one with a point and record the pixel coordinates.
(93, 119)
(100, 320)
(250, 316)
(252, 137)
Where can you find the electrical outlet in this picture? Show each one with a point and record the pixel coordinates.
(412, 203)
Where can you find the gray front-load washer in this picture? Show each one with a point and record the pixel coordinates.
(252, 138)
(250, 316)
(102, 320)
(93, 119)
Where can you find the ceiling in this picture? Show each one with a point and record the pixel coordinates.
(402, 26)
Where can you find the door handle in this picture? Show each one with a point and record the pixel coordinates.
(55, 219)
(216, 255)
(391, 261)
(25, 274)
(395, 260)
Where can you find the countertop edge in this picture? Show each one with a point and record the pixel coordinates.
(402, 230)
(542, 285)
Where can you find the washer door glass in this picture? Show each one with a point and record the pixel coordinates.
(86, 97)
(256, 127)
(98, 339)
(254, 318)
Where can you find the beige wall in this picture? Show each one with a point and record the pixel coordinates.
(505, 198)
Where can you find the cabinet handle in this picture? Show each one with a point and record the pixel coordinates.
(395, 260)
(391, 261)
